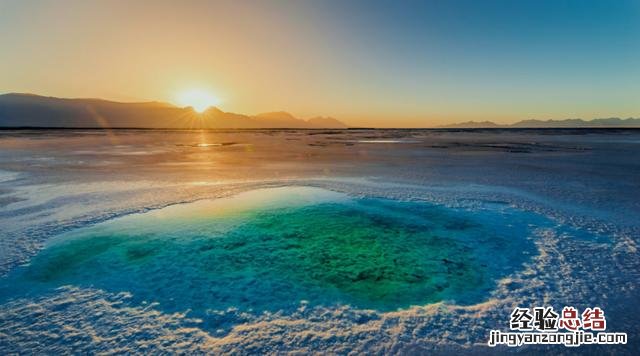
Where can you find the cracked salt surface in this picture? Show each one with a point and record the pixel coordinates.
(591, 191)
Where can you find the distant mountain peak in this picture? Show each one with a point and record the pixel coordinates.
(23, 94)
(553, 123)
(327, 121)
(278, 115)
(30, 110)
(211, 110)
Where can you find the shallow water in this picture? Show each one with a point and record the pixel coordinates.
(271, 249)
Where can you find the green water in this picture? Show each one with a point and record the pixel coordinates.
(268, 250)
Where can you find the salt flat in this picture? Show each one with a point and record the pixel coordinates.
(564, 202)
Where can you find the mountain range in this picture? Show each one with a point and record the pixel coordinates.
(567, 123)
(29, 110)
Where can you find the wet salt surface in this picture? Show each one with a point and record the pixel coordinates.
(585, 179)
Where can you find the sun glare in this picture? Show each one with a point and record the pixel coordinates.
(199, 100)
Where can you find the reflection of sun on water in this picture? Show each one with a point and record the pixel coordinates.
(199, 100)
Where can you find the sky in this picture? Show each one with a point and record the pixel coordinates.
(368, 63)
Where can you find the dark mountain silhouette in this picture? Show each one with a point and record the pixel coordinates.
(568, 123)
(28, 110)
(326, 121)
(279, 119)
(606, 122)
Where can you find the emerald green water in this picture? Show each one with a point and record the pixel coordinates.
(267, 250)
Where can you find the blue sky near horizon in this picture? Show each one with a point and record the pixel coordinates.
(377, 63)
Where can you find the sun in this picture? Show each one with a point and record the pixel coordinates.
(199, 100)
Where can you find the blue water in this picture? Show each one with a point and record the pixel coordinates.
(270, 249)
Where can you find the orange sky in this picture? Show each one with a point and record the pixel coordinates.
(365, 64)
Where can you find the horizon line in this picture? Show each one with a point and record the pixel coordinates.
(453, 125)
